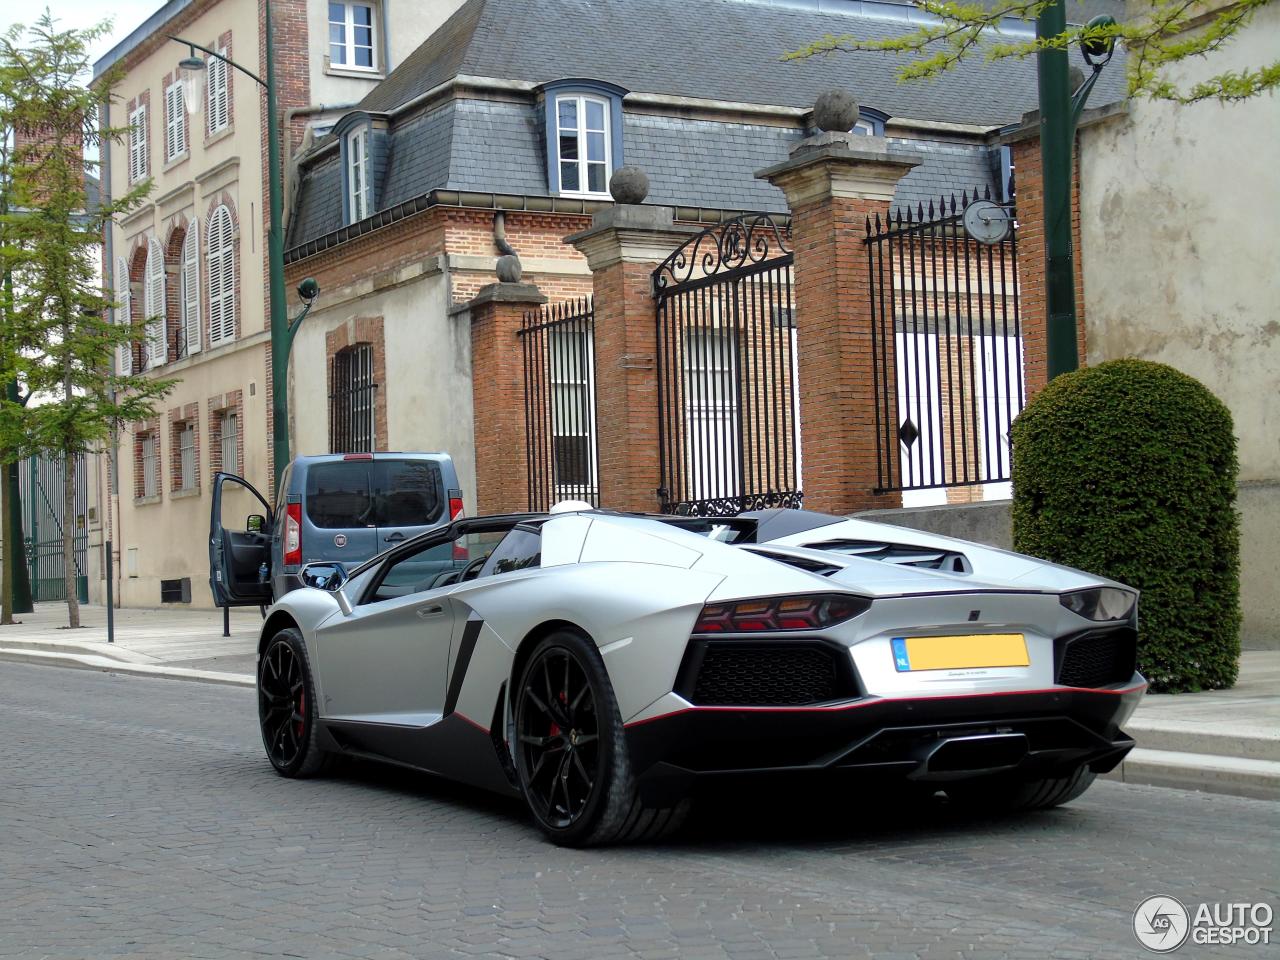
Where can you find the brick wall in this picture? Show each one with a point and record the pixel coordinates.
(498, 391)
(173, 285)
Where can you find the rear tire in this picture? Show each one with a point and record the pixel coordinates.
(1006, 795)
(287, 708)
(571, 752)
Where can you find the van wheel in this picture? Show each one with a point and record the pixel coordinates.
(287, 707)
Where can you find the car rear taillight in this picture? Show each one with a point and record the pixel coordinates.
(357, 456)
(455, 508)
(293, 535)
(808, 612)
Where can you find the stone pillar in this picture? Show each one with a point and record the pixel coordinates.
(498, 394)
(623, 246)
(833, 181)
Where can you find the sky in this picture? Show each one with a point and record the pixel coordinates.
(126, 16)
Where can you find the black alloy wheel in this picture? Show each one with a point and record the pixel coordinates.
(558, 732)
(286, 707)
(571, 753)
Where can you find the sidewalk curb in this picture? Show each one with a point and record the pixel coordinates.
(1206, 773)
(107, 665)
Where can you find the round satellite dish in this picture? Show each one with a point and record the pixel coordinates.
(986, 221)
(570, 506)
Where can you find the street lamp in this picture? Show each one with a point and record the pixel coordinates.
(282, 330)
(1060, 110)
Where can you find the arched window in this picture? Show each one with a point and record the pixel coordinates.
(124, 305)
(154, 302)
(222, 276)
(189, 302)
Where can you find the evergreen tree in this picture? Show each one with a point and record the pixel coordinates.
(61, 316)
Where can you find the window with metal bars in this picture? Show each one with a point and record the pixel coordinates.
(187, 457)
(150, 465)
(230, 443)
(351, 407)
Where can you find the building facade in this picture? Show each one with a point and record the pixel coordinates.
(191, 259)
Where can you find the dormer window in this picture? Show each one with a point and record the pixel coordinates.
(870, 122)
(362, 140)
(582, 134)
(359, 193)
(584, 137)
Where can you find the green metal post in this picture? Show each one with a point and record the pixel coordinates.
(1056, 136)
(35, 531)
(275, 257)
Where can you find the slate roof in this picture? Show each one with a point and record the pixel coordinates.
(716, 49)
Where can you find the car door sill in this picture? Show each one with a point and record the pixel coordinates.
(413, 721)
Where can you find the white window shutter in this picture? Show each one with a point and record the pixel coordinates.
(155, 302)
(142, 143)
(191, 290)
(170, 128)
(124, 352)
(218, 106)
(222, 281)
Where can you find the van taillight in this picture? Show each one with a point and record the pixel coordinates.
(455, 508)
(293, 535)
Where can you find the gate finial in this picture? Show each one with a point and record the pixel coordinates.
(629, 185)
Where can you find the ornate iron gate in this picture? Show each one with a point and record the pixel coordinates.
(558, 342)
(947, 348)
(40, 483)
(728, 419)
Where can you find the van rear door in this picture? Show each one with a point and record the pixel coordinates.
(411, 499)
(339, 512)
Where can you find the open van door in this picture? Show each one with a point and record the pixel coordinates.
(236, 556)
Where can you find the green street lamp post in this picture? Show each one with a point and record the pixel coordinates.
(282, 329)
(1060, 111)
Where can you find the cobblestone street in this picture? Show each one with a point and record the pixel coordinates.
(139, 818)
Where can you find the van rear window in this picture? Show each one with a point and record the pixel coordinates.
(382, 493)
(409, 493)
(339, 495)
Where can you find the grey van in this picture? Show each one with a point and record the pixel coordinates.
(343, 508)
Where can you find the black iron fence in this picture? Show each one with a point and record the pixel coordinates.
(728, 418)
(558, 343)
(947, 357)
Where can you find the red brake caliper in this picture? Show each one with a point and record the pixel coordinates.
(302, 709)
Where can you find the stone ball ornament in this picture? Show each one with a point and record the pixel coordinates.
(835, 112)
(509, 268)
(629, 185)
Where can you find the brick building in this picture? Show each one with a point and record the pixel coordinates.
(503, 129)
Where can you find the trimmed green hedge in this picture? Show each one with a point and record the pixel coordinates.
(1128, 470)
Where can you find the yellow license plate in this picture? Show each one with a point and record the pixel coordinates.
(960, 653)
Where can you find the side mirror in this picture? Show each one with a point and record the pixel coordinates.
(323, 575)
(255, 523)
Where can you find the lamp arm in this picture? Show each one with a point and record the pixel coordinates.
(227, 60)
(1081, 95)
(297, 321)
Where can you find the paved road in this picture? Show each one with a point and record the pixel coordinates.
(139, 818)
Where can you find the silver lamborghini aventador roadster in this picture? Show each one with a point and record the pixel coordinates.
(604, 665)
